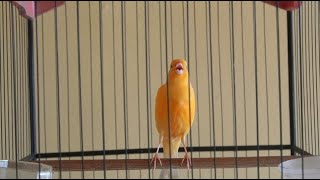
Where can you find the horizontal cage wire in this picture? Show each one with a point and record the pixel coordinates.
(101, 89)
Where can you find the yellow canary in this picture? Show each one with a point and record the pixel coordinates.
(181, 113)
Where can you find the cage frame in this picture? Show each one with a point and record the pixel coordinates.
(74, 165)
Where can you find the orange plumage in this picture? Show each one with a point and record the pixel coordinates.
(181, 110)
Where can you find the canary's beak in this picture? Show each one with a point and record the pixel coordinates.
(179, 68)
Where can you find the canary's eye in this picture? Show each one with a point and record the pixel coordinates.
(171, 66)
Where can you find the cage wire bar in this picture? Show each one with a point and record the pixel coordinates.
(14, 85)
(14, 108)
(78, 84)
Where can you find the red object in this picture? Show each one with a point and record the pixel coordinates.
(27, 8)
(286, 5)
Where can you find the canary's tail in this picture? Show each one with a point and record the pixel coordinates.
(165, 173)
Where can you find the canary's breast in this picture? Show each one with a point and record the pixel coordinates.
(180, 112)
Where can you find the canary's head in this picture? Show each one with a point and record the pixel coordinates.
(178, 70)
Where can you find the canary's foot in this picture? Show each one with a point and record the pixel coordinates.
(188, 160)
(154, 160)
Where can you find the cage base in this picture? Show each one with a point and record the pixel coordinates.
(141, 164)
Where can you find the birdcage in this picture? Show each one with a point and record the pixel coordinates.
(80, 83)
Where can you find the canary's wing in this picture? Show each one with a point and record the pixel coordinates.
(187, 111)
(161, 107)
(192, 104)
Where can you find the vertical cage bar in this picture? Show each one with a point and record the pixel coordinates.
(1, 71)
(256, 87)
(32, 109)
(291, 82)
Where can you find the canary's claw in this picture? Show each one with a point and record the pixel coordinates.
(188, 160)
(154, 159)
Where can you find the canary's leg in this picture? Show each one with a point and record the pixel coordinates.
(156, 156)
(186, 156)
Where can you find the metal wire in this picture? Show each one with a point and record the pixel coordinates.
(68, 84)
(13, 39)
(244, 83)
(12, 102)
(21, 112)
(125, 83)
(160, 39)
(1, 72)
(18, 85)
(148, 99)
(298, 83)
(308, 78)
(114, 82)
(317, 39)
(233, 81)
(44, 88)
(256, 86)
(279, 86)
(58, 88)
(138, 78)
(266, 78)
(315, 81)
(168, 94)
(6, 82)
(185, 36)
(212, 96)
(102, 89)
(311, 78)
(220, 82)
(189, 95)
(7, 122)
(80, 91)
(91, 84)
(36, 44)
(301, 87)
(311, 52)
(171, 31)
(23, 75)
(209, 80)
(27, 101)
(197, 75)
(31, 87)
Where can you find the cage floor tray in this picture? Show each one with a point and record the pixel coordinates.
(26, 170)
(293, 169)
